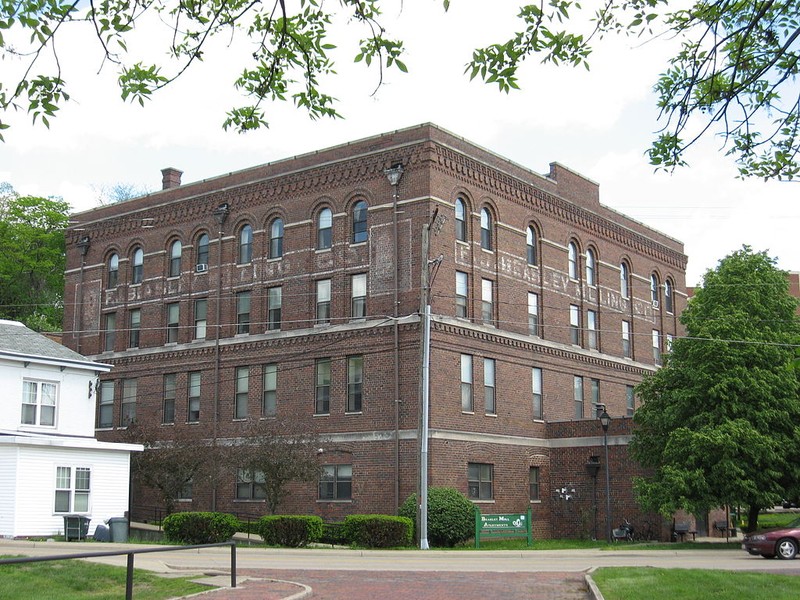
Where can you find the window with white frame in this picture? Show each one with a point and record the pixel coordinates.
(269, 398)
(137, 266)
(466, 383)
(110, 332)
(630, 400)
(113, 271)
(173, 322)
(461, 220)
(134, 327)
(668, 303)
(656, 346)
(245, 245)
(358, 290)
(240, 408)
(250, 485)
(654, 290)
(595, 391)
(360, 232)
(486, 229)
(479, 481)
(127, 413)
(242, 312)
(170, 393)
(39, 403)
(591, 268)
(175, 251)
(626, 339)
(577, 394)
(105, 405)
(322, 394)
(489, 385)
(536, 388)
(274, 307)
(575, 324)
(73, 487)
(324, 229)
(572, 260)
(323, 312)
(534, 484)
(355, 383)
(276, 238)
(624, 280)
(462, 294)
(336, 482)
(533, 313)
(591, 329)
(487, 301)
(200, 318)
(202, 251)
(530, 246)
(193, 412)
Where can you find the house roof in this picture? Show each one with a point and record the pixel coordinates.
(18, 340)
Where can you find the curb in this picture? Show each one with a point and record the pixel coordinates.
(594, 591)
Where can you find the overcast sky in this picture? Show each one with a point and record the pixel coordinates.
(598, 123)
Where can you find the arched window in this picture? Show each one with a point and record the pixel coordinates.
(591, 268)
(461, 220)
(530, 240)
(175, 258)
(324, 228)
(360, 222)
(245, 245)
(113, 271)
(572, 258)
(654, 289)
(137, 273)
(668, 304)
(202, 250)
(624, 280)
(486, 229)
(276, 238)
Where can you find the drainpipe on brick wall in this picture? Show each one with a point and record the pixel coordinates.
(83, 244)
(220, 214)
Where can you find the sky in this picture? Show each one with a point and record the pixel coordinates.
(598, 122)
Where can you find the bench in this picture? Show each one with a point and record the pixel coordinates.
(724, 528)
(681, 530)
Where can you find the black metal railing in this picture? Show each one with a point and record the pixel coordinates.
(129, 554)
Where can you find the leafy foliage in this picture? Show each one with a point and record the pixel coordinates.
(294, 531)
(199, 527)
(378, 531)
(451, 516)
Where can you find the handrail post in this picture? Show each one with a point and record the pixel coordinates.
(129, 578)
(233, 564)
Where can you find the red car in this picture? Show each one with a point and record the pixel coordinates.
(770, 543)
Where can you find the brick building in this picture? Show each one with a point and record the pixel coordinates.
(296, 289)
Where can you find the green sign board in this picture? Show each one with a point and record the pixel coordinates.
(508, 525)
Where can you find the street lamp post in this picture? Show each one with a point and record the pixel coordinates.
(605, 421)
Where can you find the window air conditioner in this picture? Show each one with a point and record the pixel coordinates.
(655, 303)
(201, 268)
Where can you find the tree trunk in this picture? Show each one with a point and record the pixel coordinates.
(752, 518)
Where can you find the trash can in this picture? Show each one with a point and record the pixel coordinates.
(76, 527)
(118, 526)
(101, 534)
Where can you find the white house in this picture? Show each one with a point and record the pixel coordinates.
(51, 465)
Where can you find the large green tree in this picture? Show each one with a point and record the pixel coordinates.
(720, 421)
(32, 251)
(733, 75)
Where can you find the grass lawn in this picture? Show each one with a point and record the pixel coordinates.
(79, 580)
(633, 583)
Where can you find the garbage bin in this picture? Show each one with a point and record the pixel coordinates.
(101, 534)
(76, 527)
(118, 526)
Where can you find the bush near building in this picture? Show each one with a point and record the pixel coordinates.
(451, 516)
(378, 531)
(294, 531)
(199, 527)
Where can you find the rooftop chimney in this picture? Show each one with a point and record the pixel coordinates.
(170, 178)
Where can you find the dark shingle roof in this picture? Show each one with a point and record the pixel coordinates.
(15, 338)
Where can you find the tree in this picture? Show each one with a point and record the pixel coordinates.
(734, 73)
(32, 259)
(720, 421)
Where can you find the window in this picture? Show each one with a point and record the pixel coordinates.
(240, 409)
(276, 238)
(110, 334)
(113, 271)
(489, 393)
(591, 329)
(202, 250)
(274, 304)
(250, 485)
(479, 481)
(322, 405)
(572, 258)
(200, 318)
(466, 383)
(630, 400)
(269, 397)
(173, 322)
(462, 294)
(72, 494)
(324, 229)
(245, 245)
(531, 246)
(127, 413)
(336, 482)
(175, 258)
(39, 403)
(624, 280)
(105, 404)
(185, 493)
(242, 312)
(626, 339)
(486, 229)
(668, 305)
(170, 389)
(358, 304)
(323, 301)
(536, 386)
(134, 327)
(360, 222)
(575, 324)
(591, 268)
(577, 395)
(668, 339)
(487, 301)
(533, 313)
(533, 484)
(355, 383)
(193, 412)
(461, 220)
(656, 346)
(595, 391)
(654, 290)
(137, 272)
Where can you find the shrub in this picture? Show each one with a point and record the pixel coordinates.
(199, 527)
(378, 531)
(451, 516)
(293, 531)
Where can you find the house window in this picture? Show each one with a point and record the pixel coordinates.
(323, 301)
(202, 250)
(595, 389)
(626, 339)
(355, 383)
(186, 492)
(39, 403)
(105, 405)
(127, 413)
(489, 393)
(668, 339)
(276, 238)
(461, 220)
(533, 313)
(466, 383)
(170, 391)
(668, 305)
(245, 245)
(536, 387)
(113, 271)
(358, 303)
(175, 258)
(336, 482)
(462, 294)
(577, 395)
(533, 484)
(269, 397)
(200, 318)
(250, 485)
(486, 229)
(591, 268)
(242, 312)
(324, 229)
(487, 301)
(572, 258)
(575, 324)
(274, 304)
(360, 222)
(630, 400)
(72, 492)
(322, 402)
(531, 246)
(173, 322)
(624, 280)
(654, 290)
(110, 333)
(240, 409)
(137, 273)
(591, 329)
(656, 347)
(134, 327)
(193, 410)
(479, 481)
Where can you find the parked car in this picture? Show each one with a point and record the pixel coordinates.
(782, 542)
